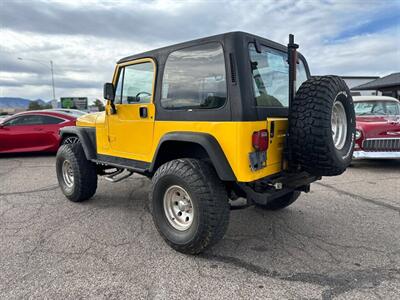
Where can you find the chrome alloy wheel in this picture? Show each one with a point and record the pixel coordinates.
(339, 125)
(178, 208)
(67, 173)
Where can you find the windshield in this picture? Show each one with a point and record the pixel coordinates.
(377, 108)
(270, 72)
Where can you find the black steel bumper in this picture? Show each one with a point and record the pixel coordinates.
(264, 190)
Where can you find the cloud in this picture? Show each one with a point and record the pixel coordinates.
(25, 80)
(85, 38)
(132, 20)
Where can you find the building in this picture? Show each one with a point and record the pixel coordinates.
(353, 81)
(386, 86)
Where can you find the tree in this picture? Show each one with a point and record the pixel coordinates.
(35, 105)
(99, 104)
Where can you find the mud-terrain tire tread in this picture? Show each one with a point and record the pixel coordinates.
(310, 135)
(205, 187)
(85, 175)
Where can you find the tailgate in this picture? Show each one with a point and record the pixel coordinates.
(277, 131)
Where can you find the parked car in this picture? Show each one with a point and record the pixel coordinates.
(377, 127)
(73, 112)
(3, 117)
(33, 131)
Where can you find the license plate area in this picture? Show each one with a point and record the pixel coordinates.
(258, 160)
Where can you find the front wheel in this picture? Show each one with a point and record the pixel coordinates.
(76, 175)
(189, 205)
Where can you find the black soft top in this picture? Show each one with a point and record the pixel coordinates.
(241, 104)
(222, 38)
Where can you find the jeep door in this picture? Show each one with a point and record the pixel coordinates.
(130, 129)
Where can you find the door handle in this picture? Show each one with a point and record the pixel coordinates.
(143, 112)
(38, 129)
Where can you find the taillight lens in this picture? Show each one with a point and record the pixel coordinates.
(260, 140)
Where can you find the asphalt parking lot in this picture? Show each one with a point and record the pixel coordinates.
(342, 240)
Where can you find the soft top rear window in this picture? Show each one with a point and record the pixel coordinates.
(270, 75)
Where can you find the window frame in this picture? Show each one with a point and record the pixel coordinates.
(6, 123)
(196, 109)
(121, 67)
(54, 117)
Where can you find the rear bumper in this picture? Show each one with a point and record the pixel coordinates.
(381, 155)
(264, 190)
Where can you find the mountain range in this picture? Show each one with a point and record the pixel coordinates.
(15, 102)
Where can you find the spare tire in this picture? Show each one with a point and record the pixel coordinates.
(322, 126)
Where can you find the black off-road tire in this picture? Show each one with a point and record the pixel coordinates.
(310, 130)
(84, 173)
(209, 201)
(281, 202)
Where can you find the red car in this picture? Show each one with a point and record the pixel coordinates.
(377, 127)
(33, 131)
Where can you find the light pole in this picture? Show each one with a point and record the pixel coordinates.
(44, 63)
(52, 80)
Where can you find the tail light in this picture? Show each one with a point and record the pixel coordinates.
(260, 140)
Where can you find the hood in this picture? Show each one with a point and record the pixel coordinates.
(379, 126)
(88, 120)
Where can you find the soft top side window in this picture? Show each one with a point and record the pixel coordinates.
(194, 78)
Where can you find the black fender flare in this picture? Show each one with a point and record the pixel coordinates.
(209, 144)
(87, 137)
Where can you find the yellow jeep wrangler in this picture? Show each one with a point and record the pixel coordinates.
(210, 121)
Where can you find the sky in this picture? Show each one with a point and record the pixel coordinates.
(85, 39)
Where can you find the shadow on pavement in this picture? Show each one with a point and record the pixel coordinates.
(389, 164)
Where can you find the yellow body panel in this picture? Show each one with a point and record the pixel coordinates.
(88, 120)
(233, 137)
(235, 141)
(127, 135)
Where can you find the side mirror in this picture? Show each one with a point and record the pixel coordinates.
(108, 91)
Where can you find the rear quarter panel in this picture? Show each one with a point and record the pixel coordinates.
(235, 141)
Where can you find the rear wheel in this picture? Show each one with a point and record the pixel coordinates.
(76, 175)
(322, 126)
(189, 205)
(281, 202)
